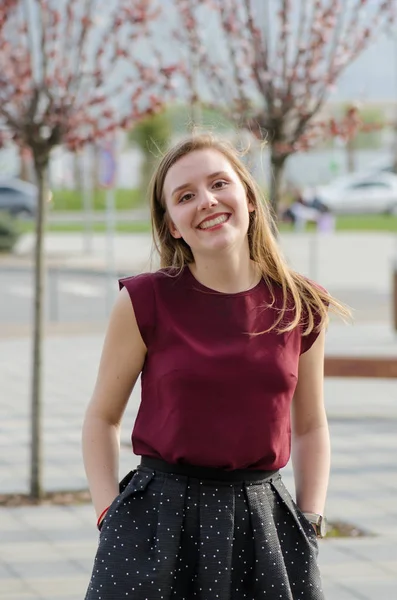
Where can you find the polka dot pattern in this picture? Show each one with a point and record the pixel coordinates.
(169, 536)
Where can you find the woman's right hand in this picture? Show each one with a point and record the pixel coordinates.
(101, 518)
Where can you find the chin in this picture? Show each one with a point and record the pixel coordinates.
(218, 246)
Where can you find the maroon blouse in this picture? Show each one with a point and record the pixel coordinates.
(212, 395)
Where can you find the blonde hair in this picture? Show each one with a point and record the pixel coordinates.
(310, 302)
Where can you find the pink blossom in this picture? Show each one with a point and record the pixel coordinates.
(283, 67)
(76, 100)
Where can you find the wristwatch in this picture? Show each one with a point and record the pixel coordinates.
(319, 522)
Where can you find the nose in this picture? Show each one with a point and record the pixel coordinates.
(206, 200)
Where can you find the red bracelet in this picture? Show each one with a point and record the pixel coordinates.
(98, 523)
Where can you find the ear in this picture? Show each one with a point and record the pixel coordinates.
(173, 230)
(250, 204)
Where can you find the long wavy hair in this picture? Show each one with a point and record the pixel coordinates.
(309, 301)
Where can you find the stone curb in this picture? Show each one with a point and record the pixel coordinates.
(359, 366)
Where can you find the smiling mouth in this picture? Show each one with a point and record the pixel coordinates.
(209, 223)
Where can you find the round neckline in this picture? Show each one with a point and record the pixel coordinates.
(204, 288)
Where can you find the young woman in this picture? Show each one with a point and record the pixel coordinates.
(229, 342)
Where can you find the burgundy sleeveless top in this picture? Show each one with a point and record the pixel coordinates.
(213, 395)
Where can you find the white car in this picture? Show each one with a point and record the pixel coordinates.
(374, 193)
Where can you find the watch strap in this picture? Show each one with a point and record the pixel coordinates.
(313, 518)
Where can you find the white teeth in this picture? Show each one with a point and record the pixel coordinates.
(213, 222)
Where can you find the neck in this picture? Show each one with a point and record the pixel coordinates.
(228, 274)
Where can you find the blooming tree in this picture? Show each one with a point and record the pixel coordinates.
(271, 64)
(72, 72)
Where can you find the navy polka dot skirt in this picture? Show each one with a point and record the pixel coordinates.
(172, 535)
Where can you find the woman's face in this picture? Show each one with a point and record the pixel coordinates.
(206, 202)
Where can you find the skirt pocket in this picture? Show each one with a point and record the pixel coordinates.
(303, 525)
(135, 482)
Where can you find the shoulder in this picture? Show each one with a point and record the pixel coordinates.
(138, 291)
(141, 280)
(147, 293)
(315, 311)
(148, 281)
(315, 286)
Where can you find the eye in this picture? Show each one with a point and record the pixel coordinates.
(219, 184)
(185, 197)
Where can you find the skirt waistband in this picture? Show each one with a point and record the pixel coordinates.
(207, 472)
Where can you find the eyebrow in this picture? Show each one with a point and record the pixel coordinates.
(188, 184)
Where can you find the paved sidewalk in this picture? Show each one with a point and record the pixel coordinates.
(46, 552)
(344, 260)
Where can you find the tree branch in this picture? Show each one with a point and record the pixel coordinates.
(43, 21)
(11, 121)
(261, 53)
(31, 46)
(230, 28)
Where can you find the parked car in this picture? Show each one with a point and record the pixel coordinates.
(374, 193)
(18, 198)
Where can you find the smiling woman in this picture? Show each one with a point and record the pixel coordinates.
(229, 342)
(209, 211)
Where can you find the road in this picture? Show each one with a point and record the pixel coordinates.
(70, 298)
(356, 268)
(81, 297)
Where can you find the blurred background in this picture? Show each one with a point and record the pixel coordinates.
(91, 95)
(307, 90)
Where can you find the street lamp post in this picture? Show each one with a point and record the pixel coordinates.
(394, 286)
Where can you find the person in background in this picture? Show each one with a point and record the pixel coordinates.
(229, 343)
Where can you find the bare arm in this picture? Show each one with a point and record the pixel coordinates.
(121, 362)
(310, 435)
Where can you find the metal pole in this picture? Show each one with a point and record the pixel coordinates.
(110, 249)
(394, 265)
(87, 204)
(53, 300)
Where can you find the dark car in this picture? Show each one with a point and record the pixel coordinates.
(18, 198)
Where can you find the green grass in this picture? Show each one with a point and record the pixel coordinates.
(367, 223)
(357, 223)
(380, 223)
(122, 227)
(72, 200)
(128, 199)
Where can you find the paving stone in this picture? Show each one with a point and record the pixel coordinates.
(53, 589)
(47, 552)
(377, 589)
(39, 569)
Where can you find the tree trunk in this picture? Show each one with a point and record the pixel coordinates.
(24, 164)
(41, 165)
(95, 166)
(195, 115)
(277, 164)
(147, 168)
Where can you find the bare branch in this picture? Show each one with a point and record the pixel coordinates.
(10, 120)
(293, 56)
(261, 54)
(230, 27)
(76, 101)
(29, 35)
